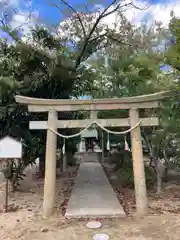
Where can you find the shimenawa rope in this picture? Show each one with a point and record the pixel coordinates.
(99, 125)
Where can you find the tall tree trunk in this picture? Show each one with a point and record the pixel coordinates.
(166, 166)
(149, 147)
(159, 182)
(159, 174)
(42, 165)
(166, 174)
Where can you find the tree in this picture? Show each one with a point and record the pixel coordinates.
(135, 70)
(173, 53)
(126, 70)
(28, 71)
(49, 65)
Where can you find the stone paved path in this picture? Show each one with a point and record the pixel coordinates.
(92, 195)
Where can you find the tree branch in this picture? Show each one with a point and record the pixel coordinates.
(120, 41)
(7, 30)
(145, 8)
(74, 11)
(78, 61)
(116, 8)
(101, 16)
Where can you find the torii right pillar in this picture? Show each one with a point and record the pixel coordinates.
(138, 165)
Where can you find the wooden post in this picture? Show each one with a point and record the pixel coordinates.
(6, 196)
(64, 162)
(102, 146)
(50, 166)
(61, 161)
(138, 165)
(93, 115)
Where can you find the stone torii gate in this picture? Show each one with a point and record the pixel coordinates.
(52, 106)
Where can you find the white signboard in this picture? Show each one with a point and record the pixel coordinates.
(10, 148)
(90, 133)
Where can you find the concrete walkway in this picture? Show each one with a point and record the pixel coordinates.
(92, 195)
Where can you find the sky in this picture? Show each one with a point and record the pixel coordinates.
(43, 10)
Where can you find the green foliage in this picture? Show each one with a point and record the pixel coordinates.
(71, 161)
(47, 67)
(129, 70)
(121, 159)
(173, 53)
(31, 71)
(70, 151)
(42, 67)
(126, 177)
(14, 173)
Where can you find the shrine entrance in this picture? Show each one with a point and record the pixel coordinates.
(88, 140)
(134, 122)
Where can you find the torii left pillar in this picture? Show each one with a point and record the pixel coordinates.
(50, 166)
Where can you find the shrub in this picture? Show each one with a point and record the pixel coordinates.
(14, 172)
(71, 160)
(124, 169)
(126, 177)
(121, 159)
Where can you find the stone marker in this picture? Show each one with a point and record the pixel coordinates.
(93, 224)
(100, 236)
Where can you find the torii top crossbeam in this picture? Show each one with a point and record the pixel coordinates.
(44, 105)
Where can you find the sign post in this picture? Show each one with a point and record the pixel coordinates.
(9, 149)
(6, 196)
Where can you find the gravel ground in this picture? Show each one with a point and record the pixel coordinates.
(24, 221)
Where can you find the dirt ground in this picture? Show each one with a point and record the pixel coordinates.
(24, 221)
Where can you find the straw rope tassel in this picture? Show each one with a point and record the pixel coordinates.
(126, 146)
(108, 143)
(64, 146)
